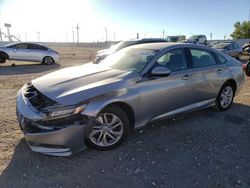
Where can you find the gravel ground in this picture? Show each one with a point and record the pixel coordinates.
(199, 149)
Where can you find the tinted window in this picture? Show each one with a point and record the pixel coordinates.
(236, 46)
(220, 59)
(174, 60)
(36, 47)
(230, 47)
(22, 46)
(11, 46)
(202, 58)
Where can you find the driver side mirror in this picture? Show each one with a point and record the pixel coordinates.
(160, 71)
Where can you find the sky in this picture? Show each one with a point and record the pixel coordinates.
(56, 20)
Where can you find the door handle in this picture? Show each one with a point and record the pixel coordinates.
(185, 77)
(219, 71)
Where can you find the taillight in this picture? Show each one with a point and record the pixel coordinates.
(244, 66)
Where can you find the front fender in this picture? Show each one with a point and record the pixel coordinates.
(126, 96)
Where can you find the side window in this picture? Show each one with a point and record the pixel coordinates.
(12, 46)
(31, 46)
(220, 59)
(202, 58)
(174, 60)
(236, 46)
(42, 48)
(230, 47)
(22, 46)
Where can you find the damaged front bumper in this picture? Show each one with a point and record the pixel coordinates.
(61, 137)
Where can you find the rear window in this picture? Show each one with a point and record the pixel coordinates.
(220, 59)
(202, 58)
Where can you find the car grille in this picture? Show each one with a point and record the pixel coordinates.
(36, 98)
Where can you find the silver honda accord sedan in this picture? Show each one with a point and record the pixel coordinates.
(99, 104)
(28, 52)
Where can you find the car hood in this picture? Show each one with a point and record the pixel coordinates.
(77, 84)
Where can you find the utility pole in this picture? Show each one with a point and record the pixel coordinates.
(249, 16)
(225, 36)
(38, 36)
(211, 36)
(163, 34)
(1, 39)
(8, 30)
(106, 33)
(77, 32)
(137, 36)
(73, 35)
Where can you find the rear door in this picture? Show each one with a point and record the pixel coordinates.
(37, 52)
(204, 63)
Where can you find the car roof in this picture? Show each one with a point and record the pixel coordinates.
(163, 45)
(25, 43)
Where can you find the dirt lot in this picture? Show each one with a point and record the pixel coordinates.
(200, 149)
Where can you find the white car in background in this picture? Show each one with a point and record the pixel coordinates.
(199, 39)
(28, 52)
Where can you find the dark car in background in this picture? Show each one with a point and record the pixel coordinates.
(102, 54)
(230, 48)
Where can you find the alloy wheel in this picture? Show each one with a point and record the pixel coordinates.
(226, 97)
(108, 131)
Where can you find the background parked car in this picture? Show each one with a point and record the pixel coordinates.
(231, 49)
(102, 54)
(199, 39)
(176, 38)
(28, 52)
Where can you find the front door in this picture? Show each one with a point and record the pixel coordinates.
(160, 95)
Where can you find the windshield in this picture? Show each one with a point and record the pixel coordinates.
(220, 45)
(121, 45)
(131, 59)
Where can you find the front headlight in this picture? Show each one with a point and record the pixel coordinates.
(59, 113)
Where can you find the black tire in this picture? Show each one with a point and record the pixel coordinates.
(247, 71)
(48, 60)
(239, 56)
(118, 112)
(219, 105)
(2, 59)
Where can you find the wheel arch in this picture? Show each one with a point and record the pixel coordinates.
(127, 109)
(234, 84)
(4, 54)
(48, 56)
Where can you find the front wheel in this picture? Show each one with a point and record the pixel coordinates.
(110, 130)
(225, 97)
(48, 60)
(2, 60)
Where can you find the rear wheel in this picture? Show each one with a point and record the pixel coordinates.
(48, 60)
(225, 97)
(239, 56)
(110, 130)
